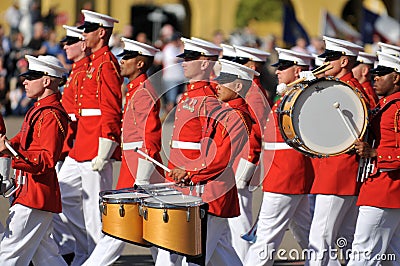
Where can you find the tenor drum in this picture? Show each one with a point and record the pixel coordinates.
(310, 123)
(173, 222)
(120, 215)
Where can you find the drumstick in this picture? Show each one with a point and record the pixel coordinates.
(337, 106)
(11, 149)
(316, 71)
(152, 160)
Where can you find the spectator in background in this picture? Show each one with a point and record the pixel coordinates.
(5, 43)
(13, 17)
(52, 47)
(301, 46)
(316, 46)
(35, 10)
(39, 37)
(218, 37)
(173, 77)
(3, 89)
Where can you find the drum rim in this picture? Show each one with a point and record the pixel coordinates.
(104, 199)
(296, 94)
(169, 205)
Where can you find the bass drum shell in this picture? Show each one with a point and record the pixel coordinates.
(311, 124)
(120, 216)
(173, 222)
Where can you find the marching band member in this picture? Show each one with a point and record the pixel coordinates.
(335, 182)
(288, 177)
(378, 223)
(144, 134)
(38, 146)
(77, 51)
(389, 49)
(225, 136)
(190, 115)
(245, 165)
(88, 169)
(361, 71)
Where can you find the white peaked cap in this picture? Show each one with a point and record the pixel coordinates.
(388, 60)
(241, 71)
(139, 47)
(204, 47)
(319, 61)
(365, 58)
(298, 58)
(101, 19)
(74, 32)
(228, 50)
(253, 54)
(338, 45)
(47, 64)
(389, 49)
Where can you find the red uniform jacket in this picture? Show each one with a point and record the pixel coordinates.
(382, 189)
(69, 101)
(190, 119)
(40, 143)
(286, 171)
(141, 123)
(372, 97)
(101, 90)
(2, 131)
(337, 175)
(227, 131)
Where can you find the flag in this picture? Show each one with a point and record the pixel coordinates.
(368, 25)
(292, 29)
(338, 28)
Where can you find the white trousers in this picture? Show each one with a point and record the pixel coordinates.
(377, 237)
(278, 213)
(27, 238)
(333, 226)
(80, 187)
(242, 224)
(219, 250)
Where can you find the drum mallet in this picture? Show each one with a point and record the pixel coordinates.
(316, 71)
(152, 160)
(337, 106)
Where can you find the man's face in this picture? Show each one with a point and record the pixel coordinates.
(286, 74)
(34, 86)
(92, 38)
(384, 84)
(226, 92)
(128, 66)
(357, 71)
(192, 67)
(75, 50)
(336, 63)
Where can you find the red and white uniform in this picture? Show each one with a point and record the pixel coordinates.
(256, 99)
(144, 132)
(337, 188)
(288, 176)
(372, 97)
(70, 98)
(38, 196)
(99, 103)
(378, 226)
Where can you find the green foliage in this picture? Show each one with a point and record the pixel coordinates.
(261, 10)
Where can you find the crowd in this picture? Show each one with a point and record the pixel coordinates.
(227, 140)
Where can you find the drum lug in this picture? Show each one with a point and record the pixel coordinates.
(103, 208)
(188, 215)
(165, 216)
(121, 210)
(202, 213)
(145, 214)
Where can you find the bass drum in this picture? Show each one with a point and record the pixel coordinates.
(310, 122)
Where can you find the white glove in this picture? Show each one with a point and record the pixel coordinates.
(281, 89)
(144, 170)
(5, 166)
(244, 172)
(104, 153)
(308, 75)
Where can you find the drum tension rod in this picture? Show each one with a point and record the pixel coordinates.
(103, 208)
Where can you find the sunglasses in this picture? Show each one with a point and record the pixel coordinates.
(31, 77)
(129, 55)
(71, 41)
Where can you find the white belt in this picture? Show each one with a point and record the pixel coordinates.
(272, 146)
(72, 117)
(90, 112)
(132, 145)
(185, 145)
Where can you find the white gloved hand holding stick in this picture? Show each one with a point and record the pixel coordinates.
(104, 153)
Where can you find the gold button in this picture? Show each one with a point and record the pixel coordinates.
(389, 157)
(380, 157)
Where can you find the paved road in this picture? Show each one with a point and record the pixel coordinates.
(132, 254)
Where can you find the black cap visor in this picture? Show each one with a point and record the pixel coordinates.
(331, 55)
(283, 64)
(89, 26)
(241, 60)
(229, 58)
(189, 54)
(381, 71)
(68, 40)
(224, 78)
(32, 74)
(127, 54)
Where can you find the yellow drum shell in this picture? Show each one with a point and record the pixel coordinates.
(173, 228)
(123, 221)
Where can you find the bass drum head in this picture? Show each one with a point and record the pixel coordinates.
(318, 123)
